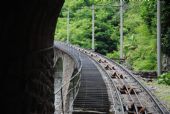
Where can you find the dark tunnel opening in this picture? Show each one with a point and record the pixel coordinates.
(26, 36)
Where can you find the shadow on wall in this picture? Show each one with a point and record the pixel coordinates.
(26, 27)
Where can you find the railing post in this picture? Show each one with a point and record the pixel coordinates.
(62, 101)
(73, 89)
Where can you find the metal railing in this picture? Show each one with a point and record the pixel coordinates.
(65, 95)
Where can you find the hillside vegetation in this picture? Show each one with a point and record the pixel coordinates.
(139, 29)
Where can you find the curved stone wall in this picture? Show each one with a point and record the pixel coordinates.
(68, 69)
(26, 35)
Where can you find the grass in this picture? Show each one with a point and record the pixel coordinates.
(162, 92)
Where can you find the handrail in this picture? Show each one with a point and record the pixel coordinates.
(67, 51)
(78, 74)
(69, 80)
(75, 87)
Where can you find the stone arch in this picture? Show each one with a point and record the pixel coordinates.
(58, 77)
(58, 73)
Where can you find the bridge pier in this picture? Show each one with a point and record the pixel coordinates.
(68, 68)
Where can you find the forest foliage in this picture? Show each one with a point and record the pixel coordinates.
(139, 29)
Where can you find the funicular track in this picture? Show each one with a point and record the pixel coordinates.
(130, 94)
(92, 96)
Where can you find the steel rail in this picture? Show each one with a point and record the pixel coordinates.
(113, 85)
(117, 92)
(159, 105)
(123, 83)
(155, 100)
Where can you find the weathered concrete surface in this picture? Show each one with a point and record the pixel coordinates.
(68, 69)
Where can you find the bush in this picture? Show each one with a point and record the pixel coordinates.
(143, 65)
(113, 55)
(164, 78)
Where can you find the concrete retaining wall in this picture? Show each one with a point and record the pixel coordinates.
(68, 69)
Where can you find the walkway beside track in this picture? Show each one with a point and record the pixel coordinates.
(92, 95)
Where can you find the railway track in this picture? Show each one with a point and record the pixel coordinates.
(91, 95)
(129, 95)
